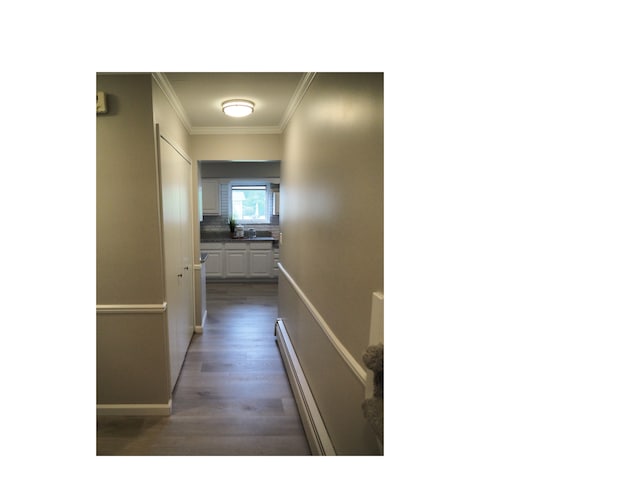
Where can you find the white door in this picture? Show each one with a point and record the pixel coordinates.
(175, 176)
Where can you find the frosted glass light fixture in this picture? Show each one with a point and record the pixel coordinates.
(238, 108)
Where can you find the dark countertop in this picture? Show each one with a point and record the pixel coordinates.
(229, 239)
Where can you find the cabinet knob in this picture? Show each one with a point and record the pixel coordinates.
(180, 275)
(187, 267)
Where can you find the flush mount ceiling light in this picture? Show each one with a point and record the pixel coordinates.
(237, 108)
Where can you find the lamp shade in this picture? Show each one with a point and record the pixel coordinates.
(238, 108)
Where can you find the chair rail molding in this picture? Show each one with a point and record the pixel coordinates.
(132, 308)
(355, 367)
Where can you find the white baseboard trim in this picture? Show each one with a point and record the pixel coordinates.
(198, 328)
(315, 430)
(132, 409)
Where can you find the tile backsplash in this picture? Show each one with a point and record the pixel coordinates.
(218, 223)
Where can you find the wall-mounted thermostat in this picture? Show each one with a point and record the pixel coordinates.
(101, 102)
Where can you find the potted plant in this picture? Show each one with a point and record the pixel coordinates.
(232, 226)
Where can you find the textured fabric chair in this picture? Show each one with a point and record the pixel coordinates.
(373, 408)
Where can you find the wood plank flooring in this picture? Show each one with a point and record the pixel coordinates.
(233, 395)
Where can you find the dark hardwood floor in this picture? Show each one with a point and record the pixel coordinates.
(232, 397)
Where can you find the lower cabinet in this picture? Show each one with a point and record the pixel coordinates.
(236, 260)
(214, 264)
(260, 263)
(276, 259)
(239, 260)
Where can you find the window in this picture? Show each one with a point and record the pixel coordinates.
(249, 203)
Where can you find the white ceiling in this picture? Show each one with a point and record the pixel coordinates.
(197, 98)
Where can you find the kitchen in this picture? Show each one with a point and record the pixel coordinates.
(327, 150)
(246, 250)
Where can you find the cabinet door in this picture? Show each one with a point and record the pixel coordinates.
(236, 263)
(260, 263)
(276, 259)
(210, 196)
(214, 264)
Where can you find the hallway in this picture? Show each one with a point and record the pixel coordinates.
(233, 395)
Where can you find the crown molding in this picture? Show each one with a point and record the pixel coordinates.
(296, 98)
(234, 130)
(166, 87)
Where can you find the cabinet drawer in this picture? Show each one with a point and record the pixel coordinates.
(235, 246)
(211, 246)
(260, 246)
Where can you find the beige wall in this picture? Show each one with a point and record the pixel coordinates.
(132, 359)
(128, 234)
(331, 219)
(236, 147)
(131, 346)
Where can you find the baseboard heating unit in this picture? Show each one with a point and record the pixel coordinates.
(315, 430)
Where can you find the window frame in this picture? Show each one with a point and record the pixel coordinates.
(268, 202)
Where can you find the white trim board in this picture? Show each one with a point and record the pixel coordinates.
(198, 328)
(314, 427)
(132, 308)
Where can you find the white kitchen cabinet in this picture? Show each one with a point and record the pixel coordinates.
(214, 263)
(240, 259)
(210, 196)
(260, 260)
(236, 260)
(276, 259)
